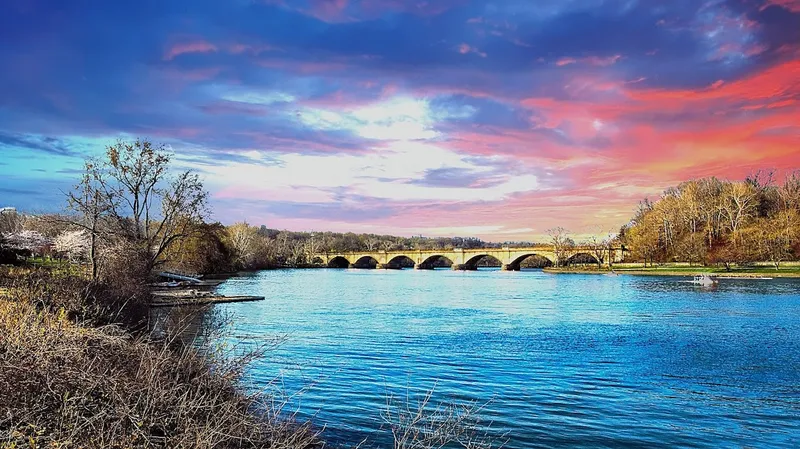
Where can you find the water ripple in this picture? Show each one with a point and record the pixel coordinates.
(559, 361)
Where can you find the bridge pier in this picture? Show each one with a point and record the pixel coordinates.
(423, 266)
(464, 267)
(510, 267)
(388, 266)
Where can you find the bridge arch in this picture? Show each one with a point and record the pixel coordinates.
(543, 261)
(366, 262)
(582, 259)
(401, 261)
(473, 262)
(435, 261)
(339, 262)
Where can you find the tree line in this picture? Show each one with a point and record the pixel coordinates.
(130, 205)
(714, 221)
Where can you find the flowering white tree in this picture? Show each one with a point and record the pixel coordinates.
(73, 244)
(28, 241)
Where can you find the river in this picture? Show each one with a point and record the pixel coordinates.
(555, 360)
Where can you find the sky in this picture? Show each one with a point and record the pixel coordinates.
(493, 119)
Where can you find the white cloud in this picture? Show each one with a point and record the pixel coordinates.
(400, 119)
(384, 173)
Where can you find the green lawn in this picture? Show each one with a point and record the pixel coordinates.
(685, 270)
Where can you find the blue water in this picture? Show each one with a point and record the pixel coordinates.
(558, 360)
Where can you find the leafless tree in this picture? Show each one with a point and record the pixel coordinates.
(10, 221)
(243, 241)
(133, 190)
(562, 244)
(91, 204)
(600, 248)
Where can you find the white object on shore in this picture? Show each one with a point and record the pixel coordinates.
(704, 280)
(179, 277)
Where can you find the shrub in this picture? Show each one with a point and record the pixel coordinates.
(65, 385)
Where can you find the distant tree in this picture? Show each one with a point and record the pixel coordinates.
(11, 222)
(73, 244)
(643, 238)
(242, 239)
(27, 242)
(599, 248)
(91, 206)
(739, 204)
(562, 244)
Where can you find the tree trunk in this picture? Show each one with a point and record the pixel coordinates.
(93, 254)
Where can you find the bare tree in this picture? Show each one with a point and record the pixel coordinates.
(91, 204)
(145, 205)
(562, 244)
(599, 248)
(10, 221)
(739, 205)
(242, 238)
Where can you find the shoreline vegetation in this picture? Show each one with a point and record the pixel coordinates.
(734, 273)
(84, 365)
(80, 365)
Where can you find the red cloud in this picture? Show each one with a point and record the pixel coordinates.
(791, 5)
(642, 140)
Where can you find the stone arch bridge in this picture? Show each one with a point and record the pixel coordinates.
(461, 259)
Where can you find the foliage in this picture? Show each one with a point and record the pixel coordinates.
(203, 251)
(714, 221)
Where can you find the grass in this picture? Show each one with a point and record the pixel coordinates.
(67, 381)
(685, 270)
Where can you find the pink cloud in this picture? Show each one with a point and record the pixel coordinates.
(466, 49)
(791, 5)
(329, 10)
(197, 46)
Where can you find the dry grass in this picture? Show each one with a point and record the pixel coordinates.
(64, 385)
(69, 291)
(422, 424)
(77, 370)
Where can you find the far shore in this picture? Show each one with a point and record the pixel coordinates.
(721, 272)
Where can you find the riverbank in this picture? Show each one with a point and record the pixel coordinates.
(750, 272)
(80, 368)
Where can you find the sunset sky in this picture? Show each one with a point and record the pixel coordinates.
(495, 119)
